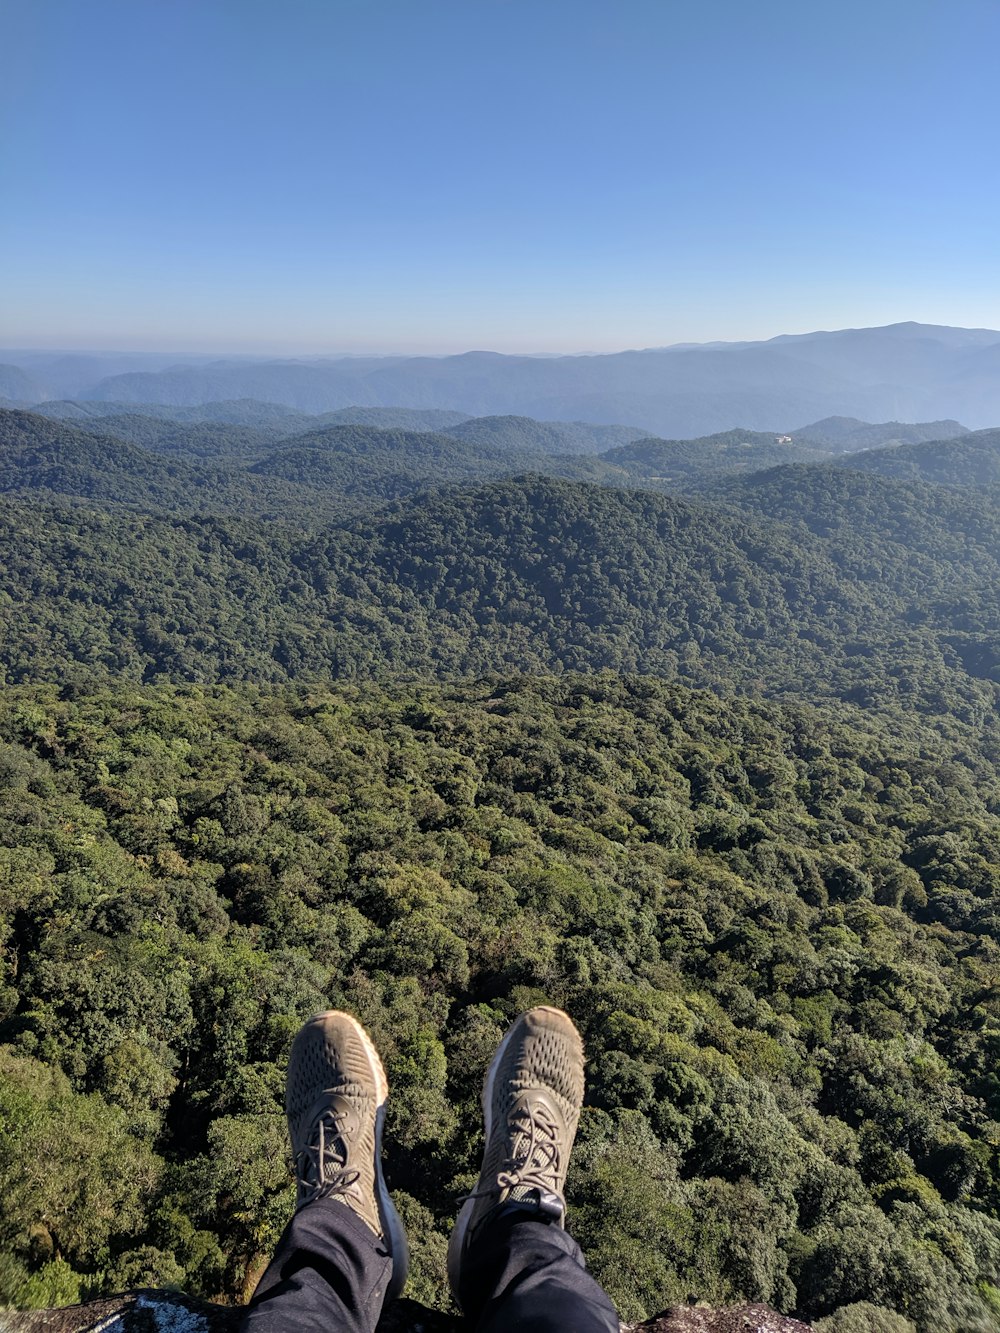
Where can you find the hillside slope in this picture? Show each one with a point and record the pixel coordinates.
(45, 460)
(847, 434)
(972, 460)
(522, 434)
(530, 575)
(678, 465)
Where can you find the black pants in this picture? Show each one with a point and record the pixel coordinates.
(330, 1273)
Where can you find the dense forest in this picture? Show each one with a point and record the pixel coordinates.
(849, 435)
(306, 477)
(348, 713)
(777, 929)
(867, 588)
(973, 460)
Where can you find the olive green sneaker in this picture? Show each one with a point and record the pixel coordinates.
(532, 1096)
(335, 1102)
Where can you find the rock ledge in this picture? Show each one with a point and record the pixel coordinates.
(170, 1312)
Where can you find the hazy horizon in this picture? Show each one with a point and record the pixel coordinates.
(235, 353)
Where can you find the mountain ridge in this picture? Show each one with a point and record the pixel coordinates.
(897, 372)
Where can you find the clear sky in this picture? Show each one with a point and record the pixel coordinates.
(533, 175)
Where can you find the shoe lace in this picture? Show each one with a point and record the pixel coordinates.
(321, 1166)
(535, 1162)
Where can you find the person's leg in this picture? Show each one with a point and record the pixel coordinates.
(510, 1263)
(330, 1271)
(344, 1251)
(529, 1275)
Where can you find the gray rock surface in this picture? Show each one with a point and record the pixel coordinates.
(169, 1312)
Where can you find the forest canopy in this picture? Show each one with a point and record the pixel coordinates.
(349, 719)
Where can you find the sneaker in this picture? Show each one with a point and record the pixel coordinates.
(532, 1096)
(335, 1102)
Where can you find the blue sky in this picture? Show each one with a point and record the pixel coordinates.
(522, 175)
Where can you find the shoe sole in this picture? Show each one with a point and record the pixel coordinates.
(457, 1242)
(392, 1223)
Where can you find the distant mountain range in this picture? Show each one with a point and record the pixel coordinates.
(915, 372)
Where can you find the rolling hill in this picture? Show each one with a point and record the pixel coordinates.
(522, 434)
(847, 434)
(971, 460)
(530, 575)
(49, 459)
(678, 465)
